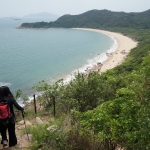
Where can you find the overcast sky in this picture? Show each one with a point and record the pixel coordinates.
(21, 8)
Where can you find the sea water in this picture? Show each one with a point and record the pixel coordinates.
(28, 56)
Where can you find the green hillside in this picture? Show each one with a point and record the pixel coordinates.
(98, 19)
(99, 111)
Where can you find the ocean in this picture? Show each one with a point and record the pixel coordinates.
(28, 56)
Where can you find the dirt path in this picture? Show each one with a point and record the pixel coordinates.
(23, 141)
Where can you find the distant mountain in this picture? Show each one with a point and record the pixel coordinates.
(41, 15)
(98, 19)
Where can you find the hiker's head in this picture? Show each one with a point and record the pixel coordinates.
(5, 92)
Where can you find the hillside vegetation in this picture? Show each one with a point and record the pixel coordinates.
(97, 19)
(100, 111)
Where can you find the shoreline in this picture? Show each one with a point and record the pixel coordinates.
(113, 57)
(116, 57)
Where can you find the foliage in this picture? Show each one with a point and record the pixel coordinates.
(97, 19)
(91, 90)
(113, 106)
(50, 92)
(45, 138)
(58, 139)
(126, 119)
(123, 121)
(18, 93)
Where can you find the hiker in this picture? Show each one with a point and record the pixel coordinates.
(7, 98)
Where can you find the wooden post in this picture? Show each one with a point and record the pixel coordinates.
(34, 103)
(54, 106)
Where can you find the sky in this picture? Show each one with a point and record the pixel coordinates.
(20, 8)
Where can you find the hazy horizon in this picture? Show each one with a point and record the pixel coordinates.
(25, 7)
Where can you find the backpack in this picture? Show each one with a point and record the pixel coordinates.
(4, 112)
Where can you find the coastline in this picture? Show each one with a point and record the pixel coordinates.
(110, 59)
(116, 57)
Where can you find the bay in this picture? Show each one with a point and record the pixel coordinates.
(28, 56)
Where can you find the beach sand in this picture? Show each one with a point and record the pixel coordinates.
(125, 44)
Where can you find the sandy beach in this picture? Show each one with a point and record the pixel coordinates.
(125, 45)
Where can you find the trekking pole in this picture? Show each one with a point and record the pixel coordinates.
(25, 124)
(34, 103)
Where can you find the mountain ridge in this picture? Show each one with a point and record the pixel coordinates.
(40, 15)
(97, 19)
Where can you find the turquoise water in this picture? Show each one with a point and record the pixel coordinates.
(28, 56)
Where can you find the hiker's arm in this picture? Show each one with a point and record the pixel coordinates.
(17, 105)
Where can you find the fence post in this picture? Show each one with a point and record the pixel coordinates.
(54, 106)
(34, 103)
